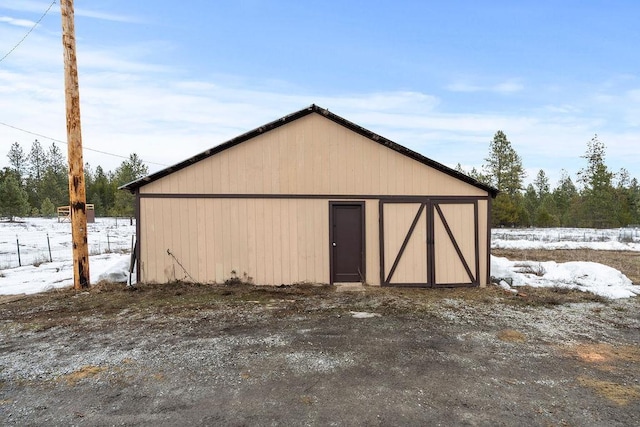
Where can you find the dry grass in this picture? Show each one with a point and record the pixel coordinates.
(626, 262)
(614, 361)
(511, 335)
(82, 373)
(620, 394)
(553, 296)
(600, 353)
(65, 306)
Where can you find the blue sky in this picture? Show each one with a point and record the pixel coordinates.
(168, 79)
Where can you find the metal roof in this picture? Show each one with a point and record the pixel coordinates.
(134, 185)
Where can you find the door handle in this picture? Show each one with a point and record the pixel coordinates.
(334, 244)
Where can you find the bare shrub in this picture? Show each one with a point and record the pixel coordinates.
(531, 268)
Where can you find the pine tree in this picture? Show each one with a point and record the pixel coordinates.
(35, 173)
(624, 198)
(47, 209)
(504, 166)
(546, 214)
(564, 196)
(505, 172)
(37, 161)
(531, 203)
(13, 198)
(18, 160)
(55, 183)
(101, 191)
(634, 201)
(479, 176)
(128, 171)
(599, 200)
(541, 183)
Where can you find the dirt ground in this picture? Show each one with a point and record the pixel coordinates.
(184, 354)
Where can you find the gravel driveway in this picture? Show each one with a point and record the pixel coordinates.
(309, 355)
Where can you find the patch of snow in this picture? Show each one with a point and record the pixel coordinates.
(585, 276)
(59, 274)
(363, 315)
(109, 242)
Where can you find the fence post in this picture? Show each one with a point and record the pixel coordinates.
(133, 258)
(49, 246)
(108, 244)
(18, 246)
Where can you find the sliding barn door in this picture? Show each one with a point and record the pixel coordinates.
(455, 243)
(429, 242)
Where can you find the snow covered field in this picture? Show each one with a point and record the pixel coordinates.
(45, 260)
(616, 239)
(110, 241)
(585, 276)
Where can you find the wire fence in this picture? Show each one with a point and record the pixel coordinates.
(45, 240)
(624, 235)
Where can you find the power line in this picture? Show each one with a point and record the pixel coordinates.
(30, 30)
(84, 146)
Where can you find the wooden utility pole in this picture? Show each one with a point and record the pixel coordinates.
(77, 192)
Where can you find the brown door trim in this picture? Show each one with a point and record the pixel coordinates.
(454, 242)
(385, 280)
(404, 243)
(332, 239)
(432, 205)
(474, 278)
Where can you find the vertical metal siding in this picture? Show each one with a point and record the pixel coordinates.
(311, 155)
(273, 241)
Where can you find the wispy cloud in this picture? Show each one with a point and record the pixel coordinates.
(17, 22)
(31, 6)
(107, 16)
(506, 87)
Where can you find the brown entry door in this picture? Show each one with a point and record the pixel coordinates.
(347, 242)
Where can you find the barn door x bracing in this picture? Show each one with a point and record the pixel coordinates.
(429, 242)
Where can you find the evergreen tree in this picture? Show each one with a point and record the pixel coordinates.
(625, 199)
(546, 214)
(37, 167)
(634, 201)
(18, 161)
(101, 191)
(504, 166)
(13, 198)
(531, 201)
(479, 176)
(47, 209)
(509, 211)
(564, 196)
(541, 183)
(55, 183)
(599, 200)
(37, 161)
(505, 172)
(128, 171)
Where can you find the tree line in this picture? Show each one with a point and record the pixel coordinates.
(601, 198)
(36, 183)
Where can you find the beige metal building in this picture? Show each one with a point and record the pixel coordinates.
(312, 197)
